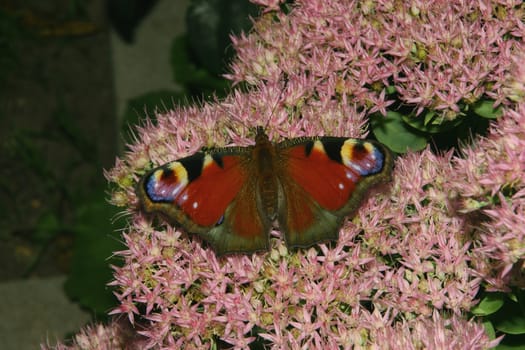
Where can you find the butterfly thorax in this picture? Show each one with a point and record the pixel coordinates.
(264, 158)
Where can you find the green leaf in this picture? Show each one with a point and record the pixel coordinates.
(391, 89)
(485, 109)
(209, 26)
(93, 248)
(491, 303)
(489, 329)
(393, 132)
(510, 319)
(195, 79)
(126, 15)
(430, 122)
(512, 342)
(47, 227)
(184, 70)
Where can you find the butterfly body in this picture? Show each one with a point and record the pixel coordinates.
(231, 196)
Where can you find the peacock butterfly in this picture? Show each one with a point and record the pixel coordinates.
(230, 196)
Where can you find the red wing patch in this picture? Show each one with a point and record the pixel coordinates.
(206, 198)
(244, 218)
(203, 199)
(328, 182)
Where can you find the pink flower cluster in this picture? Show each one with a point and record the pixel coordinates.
(439, 55)
(490, 189)
(401, 264)
(116, 335)
(408, 266)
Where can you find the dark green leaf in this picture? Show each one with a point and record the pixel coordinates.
(126, 15)
(512, 342)
(430, 122)
(196, 79)
(491, 303)
(485, 109)
(209, 26)
(510, 319)
(393, 132)
(47, 227)
(391, 89)
(95, 242)
(489, 329)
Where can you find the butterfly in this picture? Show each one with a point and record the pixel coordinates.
(230, 197)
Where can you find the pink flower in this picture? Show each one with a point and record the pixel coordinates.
(403, 254)
(115, 335)
(440, 56)
(436, 332)
(490, 181)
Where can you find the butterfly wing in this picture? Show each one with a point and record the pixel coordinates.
(323, 180)
(211, 195)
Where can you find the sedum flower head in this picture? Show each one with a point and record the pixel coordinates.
(115, 335)
(438, 55)
(400, 268)
(490, 185)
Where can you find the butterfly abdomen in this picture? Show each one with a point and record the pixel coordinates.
(264, 158)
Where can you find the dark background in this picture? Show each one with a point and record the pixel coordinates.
(75, 76)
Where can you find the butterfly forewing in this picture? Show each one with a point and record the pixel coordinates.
(325, 180)
(208, 194)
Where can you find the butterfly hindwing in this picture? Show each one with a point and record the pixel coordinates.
(208, 194)
(302, 221)
(247, 229)
(324, 180)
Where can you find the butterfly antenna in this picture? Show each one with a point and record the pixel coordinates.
(274, 108)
